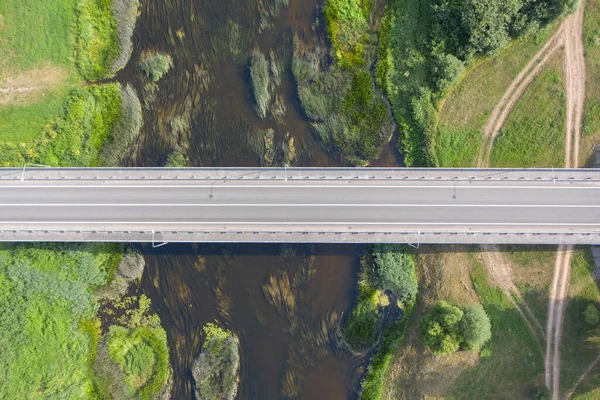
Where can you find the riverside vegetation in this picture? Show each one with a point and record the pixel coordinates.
(58, 122)
(426, 45)
(387, 290)
(52, 340)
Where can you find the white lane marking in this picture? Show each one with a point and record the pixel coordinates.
(392, 185)
(141, 205)
(233, 224)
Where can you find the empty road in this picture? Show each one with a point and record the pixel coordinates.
(297, 206)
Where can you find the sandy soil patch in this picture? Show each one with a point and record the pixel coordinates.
(26, 87)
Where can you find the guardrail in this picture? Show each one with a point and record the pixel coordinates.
(252, 236)
(299, 174)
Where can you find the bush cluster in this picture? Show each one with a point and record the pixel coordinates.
(395, 270)
(77, 135)
(446, 328)
(347, 29)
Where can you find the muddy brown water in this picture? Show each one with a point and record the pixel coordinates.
(203, 107)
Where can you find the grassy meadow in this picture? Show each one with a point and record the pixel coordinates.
(533, 135)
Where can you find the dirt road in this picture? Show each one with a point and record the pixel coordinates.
(574, 68)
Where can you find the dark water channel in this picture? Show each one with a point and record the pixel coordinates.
(283, 301)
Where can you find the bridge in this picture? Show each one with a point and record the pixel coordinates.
(354, 205)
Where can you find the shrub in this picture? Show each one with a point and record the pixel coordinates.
(475, 327)
(215, 370)
(540, 393)
(591, 315)
(96, 38)
(440, 329)
(154, 65)
(259, 78)
(395, 270)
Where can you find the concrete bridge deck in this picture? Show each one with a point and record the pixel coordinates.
(364, 205)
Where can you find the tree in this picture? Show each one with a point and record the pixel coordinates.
(592, 316)
(440, 328)
(475, 327)
(445, 71)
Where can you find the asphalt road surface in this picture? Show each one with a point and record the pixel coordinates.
(303, 206)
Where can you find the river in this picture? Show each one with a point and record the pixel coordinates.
(203, 109)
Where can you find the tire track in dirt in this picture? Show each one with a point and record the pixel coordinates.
(514, 93)
(574, 67)
(500, 272)
(582, 377)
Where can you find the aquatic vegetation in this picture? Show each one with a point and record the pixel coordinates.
(216, 368)
(344, 106)
(125, 12)
(125, 130)
(155, 64)
(142, 357)
(176, 160)
(279, 292)
(46, 307)
(259, 77)
(103, 36)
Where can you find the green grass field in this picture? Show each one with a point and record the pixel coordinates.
(534, 132)
(591, 41)
(35, 33)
